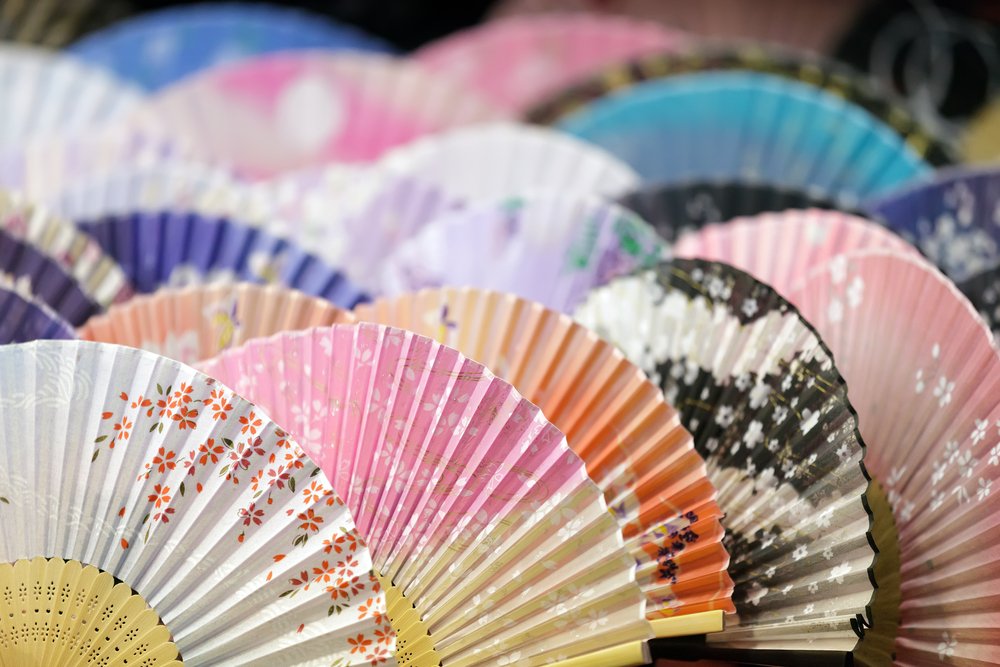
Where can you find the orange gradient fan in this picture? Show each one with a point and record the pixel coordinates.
(632, 441)
(194, 323)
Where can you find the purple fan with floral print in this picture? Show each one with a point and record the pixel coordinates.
(954, 220)
(545, 247)
(32, 273)
(23, 319)
(178, 248)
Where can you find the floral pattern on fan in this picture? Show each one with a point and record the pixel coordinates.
(769, 412)
(983, 291)
(955, 220)
(547, 248)
(200, 444)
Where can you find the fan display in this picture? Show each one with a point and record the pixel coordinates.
(813, 26)
(194, 323)
(547, 248)
(47, 94)
(76, 253)
(24, 319)
(632, 442)
(178, 249)
(780, 249)
(480, 518)
(768, 410)
(289, 111)
(517, 62)
(718, 125)
(953, 219)
(674, 209)
(34, 274)
(120, 461)
(156, 49)
(493, 160)
(926, 386)
(831, 76)
(54, 23)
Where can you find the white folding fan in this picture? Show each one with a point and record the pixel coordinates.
(493, 543)
(121, 462)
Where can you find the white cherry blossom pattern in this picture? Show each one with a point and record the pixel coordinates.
(926, 386)
(768, 411)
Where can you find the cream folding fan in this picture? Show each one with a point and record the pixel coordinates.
(194, 323)
(494, 545)
(632, 441)
(760, 394)
(99, 276)
(128, 465)
(498, 159)
(925, 379)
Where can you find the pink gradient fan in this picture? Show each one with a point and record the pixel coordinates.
(924, 376)
(295, 110)
(518, 62)
(480, 518)
(782, 248)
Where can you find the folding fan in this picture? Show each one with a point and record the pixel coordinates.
(547, 248)
(33, 273)
(926, 384)
(494, 160)
(494, 545)
(41, 167)
(100, 278)
(983, 290)
(159, 48)
(287, 111)
(780, 249)
(23, 319)
(178, 249)
(813, 26)
(55, 23)
(195, 323)
(769, 412)
(129, 465)
(954, 219)
(673, 209)
(48, 94)
(354, 216)
(718, 125)
(830, 75)
(517, 62)
(631, 441)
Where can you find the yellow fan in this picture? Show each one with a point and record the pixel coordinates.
(65, 614)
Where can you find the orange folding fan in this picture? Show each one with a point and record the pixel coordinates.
(632, 441)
